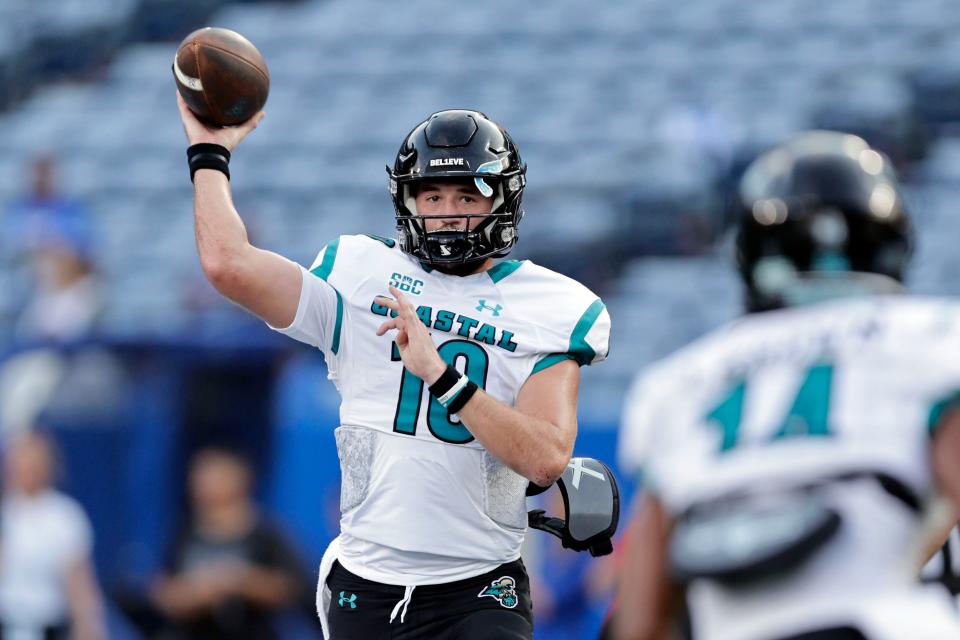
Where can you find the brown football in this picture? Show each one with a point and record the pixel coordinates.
(221, 76)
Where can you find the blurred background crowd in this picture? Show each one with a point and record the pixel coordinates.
(169, 467)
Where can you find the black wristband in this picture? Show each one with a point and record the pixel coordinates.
(208, 156)
(462, 398)
(453, 389)
(445, 382)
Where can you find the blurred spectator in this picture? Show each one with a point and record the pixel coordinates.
(44, 208)
(52, 241)
(65, 300)
(48, 245)
(229, 571)
(48, 589)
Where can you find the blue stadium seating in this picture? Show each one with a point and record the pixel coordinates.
(627, 118)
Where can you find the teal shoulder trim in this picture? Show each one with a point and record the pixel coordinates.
(503, 269)
(548, 361)
(387, 241)
(335, 342)
(329, 257)
(580, 351)
(940, 409)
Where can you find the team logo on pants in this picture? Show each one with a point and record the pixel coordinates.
(503, 590)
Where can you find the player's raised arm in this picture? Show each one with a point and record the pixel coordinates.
(265, 283)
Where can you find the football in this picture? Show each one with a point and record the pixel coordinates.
(221, 76)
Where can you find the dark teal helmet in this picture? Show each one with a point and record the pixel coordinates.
(457, 144)
(820, 215)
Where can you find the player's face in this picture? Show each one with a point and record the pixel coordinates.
(444, 201)
(30, 465)
(217, 480)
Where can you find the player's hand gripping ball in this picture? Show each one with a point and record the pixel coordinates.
(221, 76)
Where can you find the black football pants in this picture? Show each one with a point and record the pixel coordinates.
(492, 606)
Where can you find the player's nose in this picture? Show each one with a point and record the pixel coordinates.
(454, 222)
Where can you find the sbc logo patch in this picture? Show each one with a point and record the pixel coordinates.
(503, 590)
(406, 283)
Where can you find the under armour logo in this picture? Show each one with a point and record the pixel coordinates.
(578, 470)
(344, 600)
(484, 306)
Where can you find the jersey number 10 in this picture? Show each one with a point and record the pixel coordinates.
(438, 419)
(807, 416)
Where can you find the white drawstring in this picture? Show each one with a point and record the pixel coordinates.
(407, 595)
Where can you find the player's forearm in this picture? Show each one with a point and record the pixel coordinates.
(533, 447)
(264, 283)
(221, 235)
(643, 598)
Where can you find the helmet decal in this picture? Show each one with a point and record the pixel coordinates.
(494, 166)
(447, 162)
(485, 190)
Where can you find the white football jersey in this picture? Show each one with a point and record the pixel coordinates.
(781, 399)
(422, 502)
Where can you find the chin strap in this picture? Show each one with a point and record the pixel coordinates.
(591, 504)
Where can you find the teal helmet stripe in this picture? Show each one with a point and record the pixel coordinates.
(492, 167)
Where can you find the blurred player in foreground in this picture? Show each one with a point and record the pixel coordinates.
(435, 463)
(789, 459)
